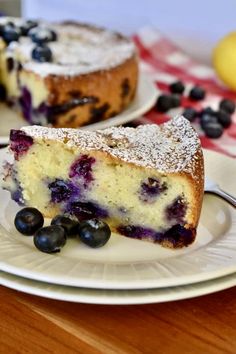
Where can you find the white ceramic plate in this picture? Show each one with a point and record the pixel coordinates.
(116, 297)
(126, 263)
(145, 98)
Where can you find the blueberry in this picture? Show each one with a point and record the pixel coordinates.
(197, 93)
(176, 210)
(10, 33)
(50, 239)
(41, 35)
(150, 189)
(227, 105)
(94, 233)
(179, 236)
(177, 87)
(207, 110)
(190, 113)
(86, 210)
(60, 190)
(10, 64)
(28, 221)
(175, 101)
(82, 168)
(224, 118)
(27, 26)
(164, 103)
(135, 231)
(19, 142)
(213, 130)
(70, 226)
(3, 93)
(42, 54)
(206, 119)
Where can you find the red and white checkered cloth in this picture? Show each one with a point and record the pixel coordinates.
(164, 62)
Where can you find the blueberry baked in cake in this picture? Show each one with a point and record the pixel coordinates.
(145, 182)
(66, 74)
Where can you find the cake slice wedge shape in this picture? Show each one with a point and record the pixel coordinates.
(146, 182)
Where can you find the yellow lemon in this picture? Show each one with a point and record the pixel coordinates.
(224, 60)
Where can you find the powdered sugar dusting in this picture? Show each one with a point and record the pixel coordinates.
(79, 49)
(170, 148)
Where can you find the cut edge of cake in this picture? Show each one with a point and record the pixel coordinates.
(170, 154)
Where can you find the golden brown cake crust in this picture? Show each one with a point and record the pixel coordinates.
(110, 91)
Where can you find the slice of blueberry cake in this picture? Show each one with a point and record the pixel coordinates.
(146, 183)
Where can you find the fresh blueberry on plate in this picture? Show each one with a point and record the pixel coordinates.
(50, 239)
(94, 233)
(28, 221)
(70, 226)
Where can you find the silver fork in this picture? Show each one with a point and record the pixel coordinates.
(212, 187)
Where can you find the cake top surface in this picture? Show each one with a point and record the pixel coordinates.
(79, 49)
(171, 147)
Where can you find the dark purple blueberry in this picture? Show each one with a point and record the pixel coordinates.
(17, 196)
(25, 102)
(150, 189)
(3, 93)
(190, 114)
(137, 232)
(227, 105)
(177, 87)
(175, 101)
(10, 64)
(42, 54)
(94, 233)
(50, 239)
(28, 221)
(11, 33)
(60, 190)
(42, 35)
(86, 210)
(82, 168)
(27, 26)
(213, 130)
(164, 103)
(177, 210)
(224, 118)
(207, 110)
(20, 142)
(70, 226)
(197, 93)
(206, 118)
(179, 236)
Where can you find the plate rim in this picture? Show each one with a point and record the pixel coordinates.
(138, 284)
(144, 83)
(117, 297)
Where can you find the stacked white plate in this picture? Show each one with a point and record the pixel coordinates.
(127, 271)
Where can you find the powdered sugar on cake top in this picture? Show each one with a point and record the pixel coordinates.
(79, 49)
(171, 147)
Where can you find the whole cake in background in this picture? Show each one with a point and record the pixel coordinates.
(146, 183)
(66, 74)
